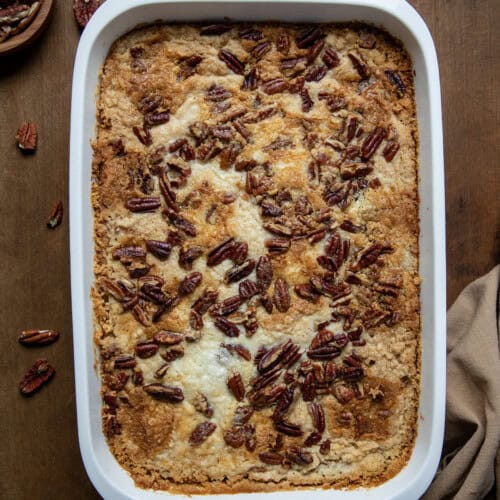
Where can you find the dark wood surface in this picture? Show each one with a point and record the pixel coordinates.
(39, 456)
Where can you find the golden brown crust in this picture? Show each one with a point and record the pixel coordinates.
(338, 165)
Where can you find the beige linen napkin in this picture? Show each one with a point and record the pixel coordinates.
(471, 459)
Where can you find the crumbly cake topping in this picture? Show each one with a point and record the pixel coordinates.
(256, 232)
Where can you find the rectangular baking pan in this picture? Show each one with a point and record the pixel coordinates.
(115, 18)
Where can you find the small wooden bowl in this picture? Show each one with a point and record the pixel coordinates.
(31, 33)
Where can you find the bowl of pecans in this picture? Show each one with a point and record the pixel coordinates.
(22, 22)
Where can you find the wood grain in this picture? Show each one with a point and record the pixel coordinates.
(39, 456)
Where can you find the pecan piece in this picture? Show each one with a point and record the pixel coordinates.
(40, 373)
(187, 66)
(318, 417)
(55, 216)
(283, 43)
(201, 433)
(396, 80)
(281, 295)
(274, 86)
(367, 40)
(190, 283)
(217, 93)
(236, 386)
(359, 65)
(160, 249)
(124, 361)
(153, 119)
(307, 102)
(202, 405)
(207, 299)
(215, 29)
(312, 439)
(231, 61)
(165, 337)
(368, 256)
(227, 327)
(322, 338)
(307, 292)
(299, 456)
(240, 350)
(277, 246)
(146, 349)
(309, 387)
(251, 34)
(144, 204)
(144, 135)
(235, 436)
(288, 428)
(180, 222)
(324, 352)
(221, 252)
(26, 136)
(316, 73)
(271, 458)
(331, 58)
(188, 255)
(261, 49)
(165, 392)
(308, 37)
(324, 448)
(372, 142)
(239, 272)
(242, 415)
(38, 337)
(390, 151)
(269, 209)
(247, 289)
(251, 80)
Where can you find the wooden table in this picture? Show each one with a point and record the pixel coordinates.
(39, 456)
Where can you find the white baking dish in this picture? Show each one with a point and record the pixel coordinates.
(117, 17)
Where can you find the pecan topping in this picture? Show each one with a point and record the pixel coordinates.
(165, 392)
(251, 80)
(26, 136)
(283, 404)
(240, 252)
(281, 295)
(188, 255)
(205, 301)
(235, 437)
(162, 371)
(288, 428)
(153, 119)
(201, 433)
(144, 135)
(308, 37)
(350, 227)
(318, 416)
(221, 252)
(235, 385)
(190, 283)
(372, 142)
(251, 34)
(395, 79)
(167, 192)
(247, 289)
(38, 337)
(227, 327)
(145, 204)
(324, 448)
(195, 320)
(309, 387)
(299, 456)
(275, 86)
(242, 415)
(40, 373)
(316, 73)
(359, 65)
(293, 65)
(146, 349)
(217, 93)
(307, 292)
(390, 151)
(261, 49)
(277, 246)
(283, 43)
(124, 361)
(271, 458)
(322, 338)
(331, 58)
(187, 66)
(269, 209)
(231, 61)
(312, 439)
(240, 350)
(160, 249)
(180, 223)
(307, 102)
(202, 405)
(165, 337)
(55, 216)
(368, 256)
(173, 353)
(215, 29)
(367, 40)
(237, 273)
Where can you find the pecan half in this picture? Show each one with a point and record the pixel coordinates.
(146, 349)
(308, 37)
(283, 43)
(372, 142)
(312, 439)
(38, 337)
(145, 204)
(231, 61)
(309, 387)
(307, 292)
(160, 249)
(201, 433)
(307, 102)
(124, 361)
(251, 34)
(201, 404)
(288, 428)
(277, 246)
(299, 456)
(368, 256)
(215, 29)
(56, 216)
(396, 80)
(275, 86)
(190, 283)
(217, 93)
(83, 10)
(40, 373)
(143, 135)
(165, 337)
(165, 392)
(240, 350)
(26, 136)
(207, 299)
(248, 288)
(239, 272)
(221, 252)
(251, 80)
(236, 386)
(281, 295)
(330, 58)
(390, 151)
(359, 64)
(235, 436)
(316, 73)
(317, 416)
(188, 255)
(271, 458)
(242, 415)
(227, 327)
(261, 49)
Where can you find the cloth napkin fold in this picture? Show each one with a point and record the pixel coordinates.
(470, 461)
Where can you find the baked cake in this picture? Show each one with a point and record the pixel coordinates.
(256, 298)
